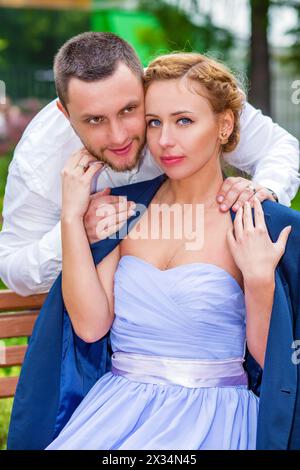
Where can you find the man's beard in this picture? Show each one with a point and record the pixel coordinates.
(109, 162)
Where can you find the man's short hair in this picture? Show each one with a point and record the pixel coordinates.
(92, 56)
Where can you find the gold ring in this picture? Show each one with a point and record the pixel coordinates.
(252, 187)
(83, 165)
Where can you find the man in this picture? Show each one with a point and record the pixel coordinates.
(101, 107)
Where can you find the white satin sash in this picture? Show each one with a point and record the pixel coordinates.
(191, 373)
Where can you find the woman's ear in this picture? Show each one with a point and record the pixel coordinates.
(61, 107)
(226, 125)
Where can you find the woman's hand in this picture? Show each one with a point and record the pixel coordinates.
(257, 257)
(76, 183)
(251, 247)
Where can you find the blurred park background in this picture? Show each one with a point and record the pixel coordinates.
(258, 39)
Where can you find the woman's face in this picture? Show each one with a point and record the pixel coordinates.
(182, 130)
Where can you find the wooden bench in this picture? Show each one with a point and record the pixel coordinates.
(17, 317)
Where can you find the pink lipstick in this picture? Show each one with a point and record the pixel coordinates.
(171, 159)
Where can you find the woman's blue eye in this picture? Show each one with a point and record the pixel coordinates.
(154, 123)
(184, 121)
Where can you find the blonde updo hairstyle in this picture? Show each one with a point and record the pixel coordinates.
(221, 87)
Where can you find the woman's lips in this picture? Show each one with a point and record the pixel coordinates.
(122, 151)
(171, 159)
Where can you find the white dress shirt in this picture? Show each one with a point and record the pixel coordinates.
(30, 241)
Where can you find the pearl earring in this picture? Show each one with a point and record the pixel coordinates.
(224, 137)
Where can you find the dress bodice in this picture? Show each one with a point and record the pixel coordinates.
(195, 310)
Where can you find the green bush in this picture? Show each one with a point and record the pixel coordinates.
(296, 202)
(4, 163)
(5, 411)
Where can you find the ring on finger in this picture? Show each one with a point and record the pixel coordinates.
(252, 188)
(84, 166)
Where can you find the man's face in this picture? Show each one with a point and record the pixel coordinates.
(108, 116)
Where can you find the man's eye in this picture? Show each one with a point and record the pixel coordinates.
(184, 121)
(129, 110)
(95, 120)
(153, 123)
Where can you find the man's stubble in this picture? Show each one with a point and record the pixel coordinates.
(109, 162)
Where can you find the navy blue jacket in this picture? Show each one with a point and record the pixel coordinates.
(59, 368)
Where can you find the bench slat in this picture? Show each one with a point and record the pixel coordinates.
(8, 386)
(19, 320)
(11, 301)
(13, 356)
(17, 324)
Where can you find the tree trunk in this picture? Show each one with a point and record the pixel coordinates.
(260, 76)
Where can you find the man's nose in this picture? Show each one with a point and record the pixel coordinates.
(118, 133)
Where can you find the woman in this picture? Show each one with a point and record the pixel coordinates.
(179, 318)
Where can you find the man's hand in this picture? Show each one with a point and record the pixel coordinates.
(235, 191)
(106, 214)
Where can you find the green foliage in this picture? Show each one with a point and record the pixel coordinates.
(5, 411)
(6, 404)
(2, 285)
(4, 164)
(296, 202)
(30, 36)
(188, 31)
(151, 39)
(293, 57)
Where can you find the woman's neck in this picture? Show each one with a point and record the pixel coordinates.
(201, 187)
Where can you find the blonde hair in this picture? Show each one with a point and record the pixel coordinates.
(221, 86)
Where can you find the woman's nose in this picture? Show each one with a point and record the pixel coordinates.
(166, 139)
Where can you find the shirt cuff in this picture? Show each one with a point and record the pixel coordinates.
(282, 195)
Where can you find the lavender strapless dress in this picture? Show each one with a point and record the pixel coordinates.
(177, 381)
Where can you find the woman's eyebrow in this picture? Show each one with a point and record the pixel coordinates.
(172, 114)
(185, 111)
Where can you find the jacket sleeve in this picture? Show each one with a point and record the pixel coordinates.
(289, 268)
(279, 416)
(290, 261)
